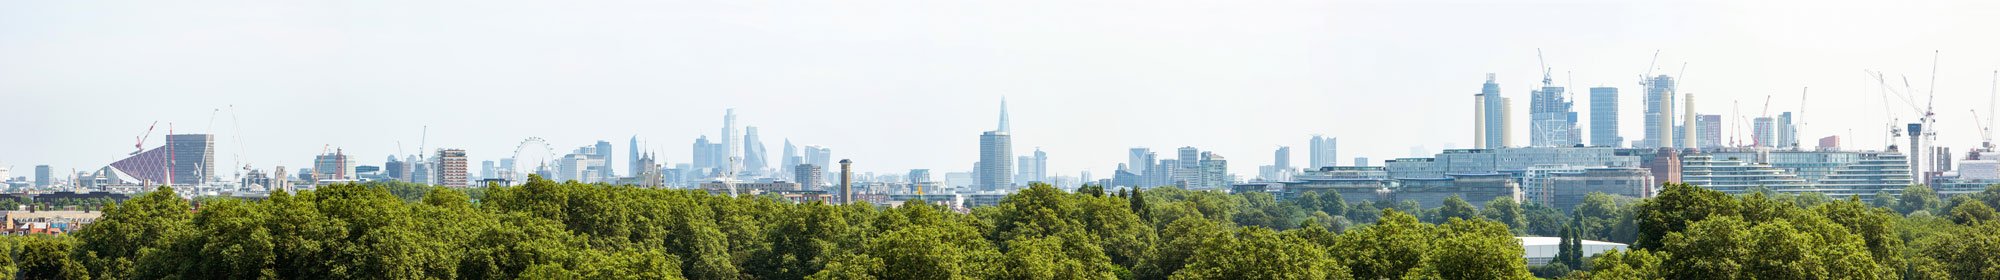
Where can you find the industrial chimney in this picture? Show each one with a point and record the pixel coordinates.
(846, 194)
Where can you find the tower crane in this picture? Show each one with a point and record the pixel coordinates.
(1766, 115)
(140, 146)
(1801, 126)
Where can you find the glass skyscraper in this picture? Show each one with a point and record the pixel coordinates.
(1604, 118)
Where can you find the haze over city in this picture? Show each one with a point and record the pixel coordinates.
(898, 85)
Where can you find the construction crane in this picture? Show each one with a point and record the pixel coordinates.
(1986, 126)
(1759, 141)
(140, 146)
(1801, 126)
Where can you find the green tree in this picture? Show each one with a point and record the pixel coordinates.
(1259, 253)
(1179, 243)
(1677, 206)
(1543, 220)
(1472, 249)
(1917, 198)
(1455, 207)
(130, 230)
(1972, 212)
(1507, 212)
(49, 258)
(1387, 249)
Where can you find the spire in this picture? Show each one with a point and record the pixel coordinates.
(1003, 114)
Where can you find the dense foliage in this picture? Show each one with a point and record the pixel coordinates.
(549, 230)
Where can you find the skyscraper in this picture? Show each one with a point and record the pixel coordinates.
(791, 157)
(1763, 132)
(1282, 158)
(1708, 131)
(604, 153)
(1788, 134)
(1604, 118)
(809, 176)
(753, 152)
(1552, 122)
(451, 166)
(732, 150)
(193, 157)
(1490, 118)
(1138, 159)
(1659, 114)
(333, 166)
(1190, 166)
(632, 164)
(1324, 152)
(996, 156)
(44, 176)
(705, 154)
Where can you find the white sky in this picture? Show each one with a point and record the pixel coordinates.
(900, 84)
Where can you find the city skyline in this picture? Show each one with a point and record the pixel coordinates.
(1234, 93)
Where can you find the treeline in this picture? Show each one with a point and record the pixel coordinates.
(549, 230)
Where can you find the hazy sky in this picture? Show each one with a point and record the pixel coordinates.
(905, 84)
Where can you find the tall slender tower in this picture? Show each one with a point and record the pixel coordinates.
(732, 149)
(1659, 116)
(1493, 118)
(846, 182)
(1688, 139)
(632, 165)
(996, 156)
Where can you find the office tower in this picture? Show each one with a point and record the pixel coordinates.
(1138, 159)
(1787, 134)
(395, 169)
(705, 154)
(753, 152)
(1282, 158)
(451, 166)
(1829, 143)
(1490, 116)
(1708, 131)
(818, 156)
(420, 171)
(1763, 131)
(732, 150)
(1212, 172)
(43, 175)
(332, 166)
(846, 182)
(1604, 118)
(603, 154)
(1325, 152)
(809, 176)
(487, 168)
(1659, 114)
(192, 157)
(1041, 169)
(1360, 161)
(632, 158)
(506, 170)
(919, 176)
(1552, 122)
(791, 157)
(1189, 169)
(1024, 168)
(996, 155)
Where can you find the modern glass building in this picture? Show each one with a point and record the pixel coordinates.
(1604, 118)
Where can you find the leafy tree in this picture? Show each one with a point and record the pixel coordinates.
(1621, 264)
(1387, 249)
(1677, 206)
(1972, 212)
(1455, 207)
(49, 258)
(1263, 210)
(130, 230)
(1472, 249)
(1569, 251)
(1179, 242)
(1507, 212)
(1259, 253)
(1917, 198)
(1543, 220)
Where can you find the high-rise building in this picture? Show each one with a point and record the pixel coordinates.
(44, 176)
(707, 155)
(1490, 116)
(1138, 159)
(791, 157)
(809, 176)
(753, 152)
(488, 169)
(1763, 131)
(332, 166)
(1659, 114)
(1552, 122)
(604, 152)
(996, 156)
(1033, 168)
(1788, 134)
(193, 157)
(1361, 161)
(1212, 172)
(1829, 143)
(632, 158)
(1604, 118)
(1282, 158)
(1708, 131)
(819, 156)
(396, 169)
(451, 166)
(1325, 152)
(732, 141)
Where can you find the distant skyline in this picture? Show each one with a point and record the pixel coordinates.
(904, 84)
